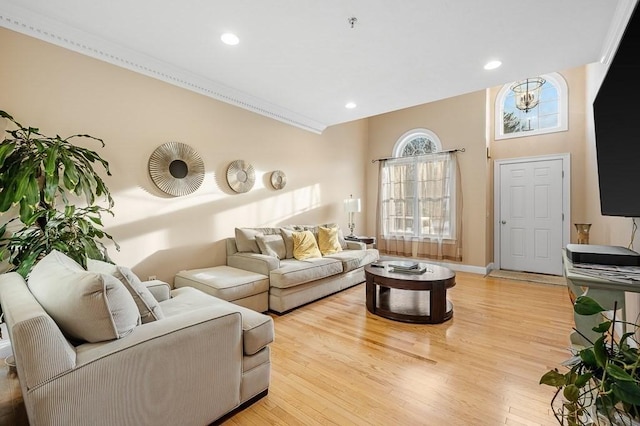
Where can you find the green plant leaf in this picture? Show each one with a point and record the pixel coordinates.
(5, 150)
(26, 213)
(552, 378)
(600, 352)
(583, 379)
(627, 392)
(51, 160)
(585, 305)
(23, 180)
(571, 393)
(51, 183)
(603, 327)
(588, 356)
(6, 198)
(618, 373)
(70, 175)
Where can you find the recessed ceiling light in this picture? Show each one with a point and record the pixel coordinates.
(230, 39)
(492, 65)
(350, 105)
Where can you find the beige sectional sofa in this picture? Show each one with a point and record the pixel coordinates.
(293, 282)
(106, 351)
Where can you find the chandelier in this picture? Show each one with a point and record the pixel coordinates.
(527, 93)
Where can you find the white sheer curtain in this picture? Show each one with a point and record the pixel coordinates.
(420, 206)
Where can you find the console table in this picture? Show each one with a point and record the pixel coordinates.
(607, 293)
(369, 241)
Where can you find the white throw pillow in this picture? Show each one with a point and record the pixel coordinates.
(148, 306)
(86, 305)
(272, 245)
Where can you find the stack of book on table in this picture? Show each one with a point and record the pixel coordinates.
(407, 267)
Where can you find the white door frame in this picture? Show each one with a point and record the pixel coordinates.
(566, 198)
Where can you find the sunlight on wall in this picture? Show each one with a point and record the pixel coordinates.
(154, 224)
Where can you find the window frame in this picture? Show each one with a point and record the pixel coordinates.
(560, 84)
(411, 135)
(416, 233)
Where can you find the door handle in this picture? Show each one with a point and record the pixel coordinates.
(504, 222)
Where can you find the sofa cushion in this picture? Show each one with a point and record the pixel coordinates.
(305, 245)
(294, 272)
(287, 237)
(246, 238)
(87, 306)
(223, 282)
(328, 240)
(257, 328)
(354, 259)
(272, 245)
(147, 304)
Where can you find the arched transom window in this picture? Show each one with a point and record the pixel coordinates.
(417, 142)
(548, 115)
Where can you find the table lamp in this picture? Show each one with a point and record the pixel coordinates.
(351, 206)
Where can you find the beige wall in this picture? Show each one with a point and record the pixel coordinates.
(63, 92)
(572, 141)
(459, 122)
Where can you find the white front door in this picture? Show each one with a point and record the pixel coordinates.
(531, 216)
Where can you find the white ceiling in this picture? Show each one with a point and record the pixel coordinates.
(299, 61)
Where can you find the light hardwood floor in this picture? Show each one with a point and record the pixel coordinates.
(333, 363)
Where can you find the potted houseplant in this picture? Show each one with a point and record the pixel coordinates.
(602, 384)
(42, 178)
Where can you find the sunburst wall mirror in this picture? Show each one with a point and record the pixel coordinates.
(241, 176)
(278, 179)
(176, 168)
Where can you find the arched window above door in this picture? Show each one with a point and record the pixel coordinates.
(548, 116)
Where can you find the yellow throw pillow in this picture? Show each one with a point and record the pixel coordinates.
(328, 241)
(304, 245)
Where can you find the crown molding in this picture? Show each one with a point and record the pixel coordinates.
(38, 26)
(621, 18)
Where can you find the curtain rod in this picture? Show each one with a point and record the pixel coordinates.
(422, 155)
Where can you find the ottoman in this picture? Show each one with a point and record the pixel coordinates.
(238, 286)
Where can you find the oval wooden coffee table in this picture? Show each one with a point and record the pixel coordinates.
(425, 302)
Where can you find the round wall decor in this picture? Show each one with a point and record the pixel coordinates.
(278, 179)
(241, 176)
(176, 168)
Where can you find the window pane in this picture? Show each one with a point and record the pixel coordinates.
(546, 108)
(549, 121)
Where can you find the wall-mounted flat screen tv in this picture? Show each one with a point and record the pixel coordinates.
(616, 111)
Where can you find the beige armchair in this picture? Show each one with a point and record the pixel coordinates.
(201, 361)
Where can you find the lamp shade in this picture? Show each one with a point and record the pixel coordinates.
(352, 205)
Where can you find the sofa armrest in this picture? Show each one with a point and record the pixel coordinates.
(40, 349)
(254, 262)
(192, 361)
(356, 245)
(160, 290)
(213, 318)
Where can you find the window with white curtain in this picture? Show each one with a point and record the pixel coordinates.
(418, 196)
(420, 200)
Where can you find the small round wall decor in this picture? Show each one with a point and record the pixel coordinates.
(176, 168)
(278, 179)
(241, 176)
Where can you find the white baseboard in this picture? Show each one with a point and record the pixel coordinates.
(453, 266)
